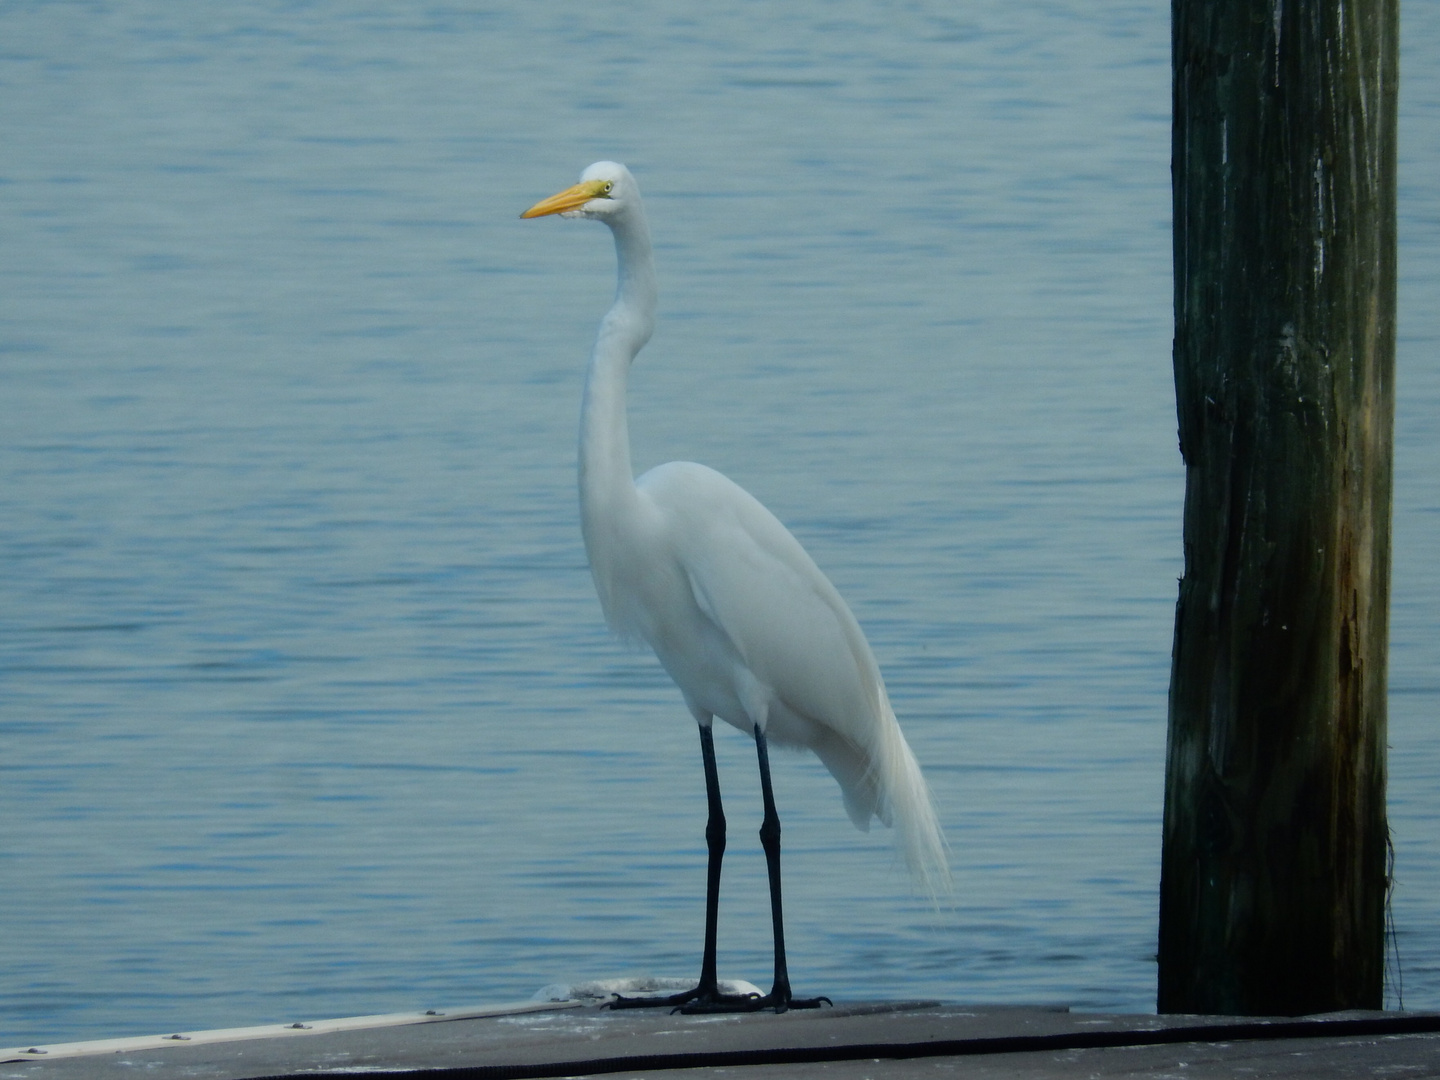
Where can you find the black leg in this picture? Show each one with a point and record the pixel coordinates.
(715, 843)
(707, 992)
(706, 996)
(770, 841)
(779, 996)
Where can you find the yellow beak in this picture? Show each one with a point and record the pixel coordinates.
(572, 198)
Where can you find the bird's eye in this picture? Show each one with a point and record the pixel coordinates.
(609, 187)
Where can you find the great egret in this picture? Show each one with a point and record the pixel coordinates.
(736, 610)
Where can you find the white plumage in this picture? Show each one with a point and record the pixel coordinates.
(736, 610)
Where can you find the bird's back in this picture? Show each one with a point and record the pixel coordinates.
(768, 639)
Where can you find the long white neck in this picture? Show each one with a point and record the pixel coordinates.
(607, 484)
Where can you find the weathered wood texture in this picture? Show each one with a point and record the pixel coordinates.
(1274, 869)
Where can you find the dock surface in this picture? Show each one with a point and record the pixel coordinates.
(876, 1040)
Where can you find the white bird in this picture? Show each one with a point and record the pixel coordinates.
(736, 610)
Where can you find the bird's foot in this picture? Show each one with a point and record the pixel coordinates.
(779, 1000)
(654, 1001)
(711, 999)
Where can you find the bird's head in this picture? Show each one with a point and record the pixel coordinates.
(605, 191)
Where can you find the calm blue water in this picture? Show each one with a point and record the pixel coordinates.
(306, 706)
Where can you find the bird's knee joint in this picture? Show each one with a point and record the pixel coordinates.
(715, 834)
(770, 831)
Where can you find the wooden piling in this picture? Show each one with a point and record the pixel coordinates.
(1273, 875)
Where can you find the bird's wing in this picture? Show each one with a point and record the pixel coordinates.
(785, 620)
